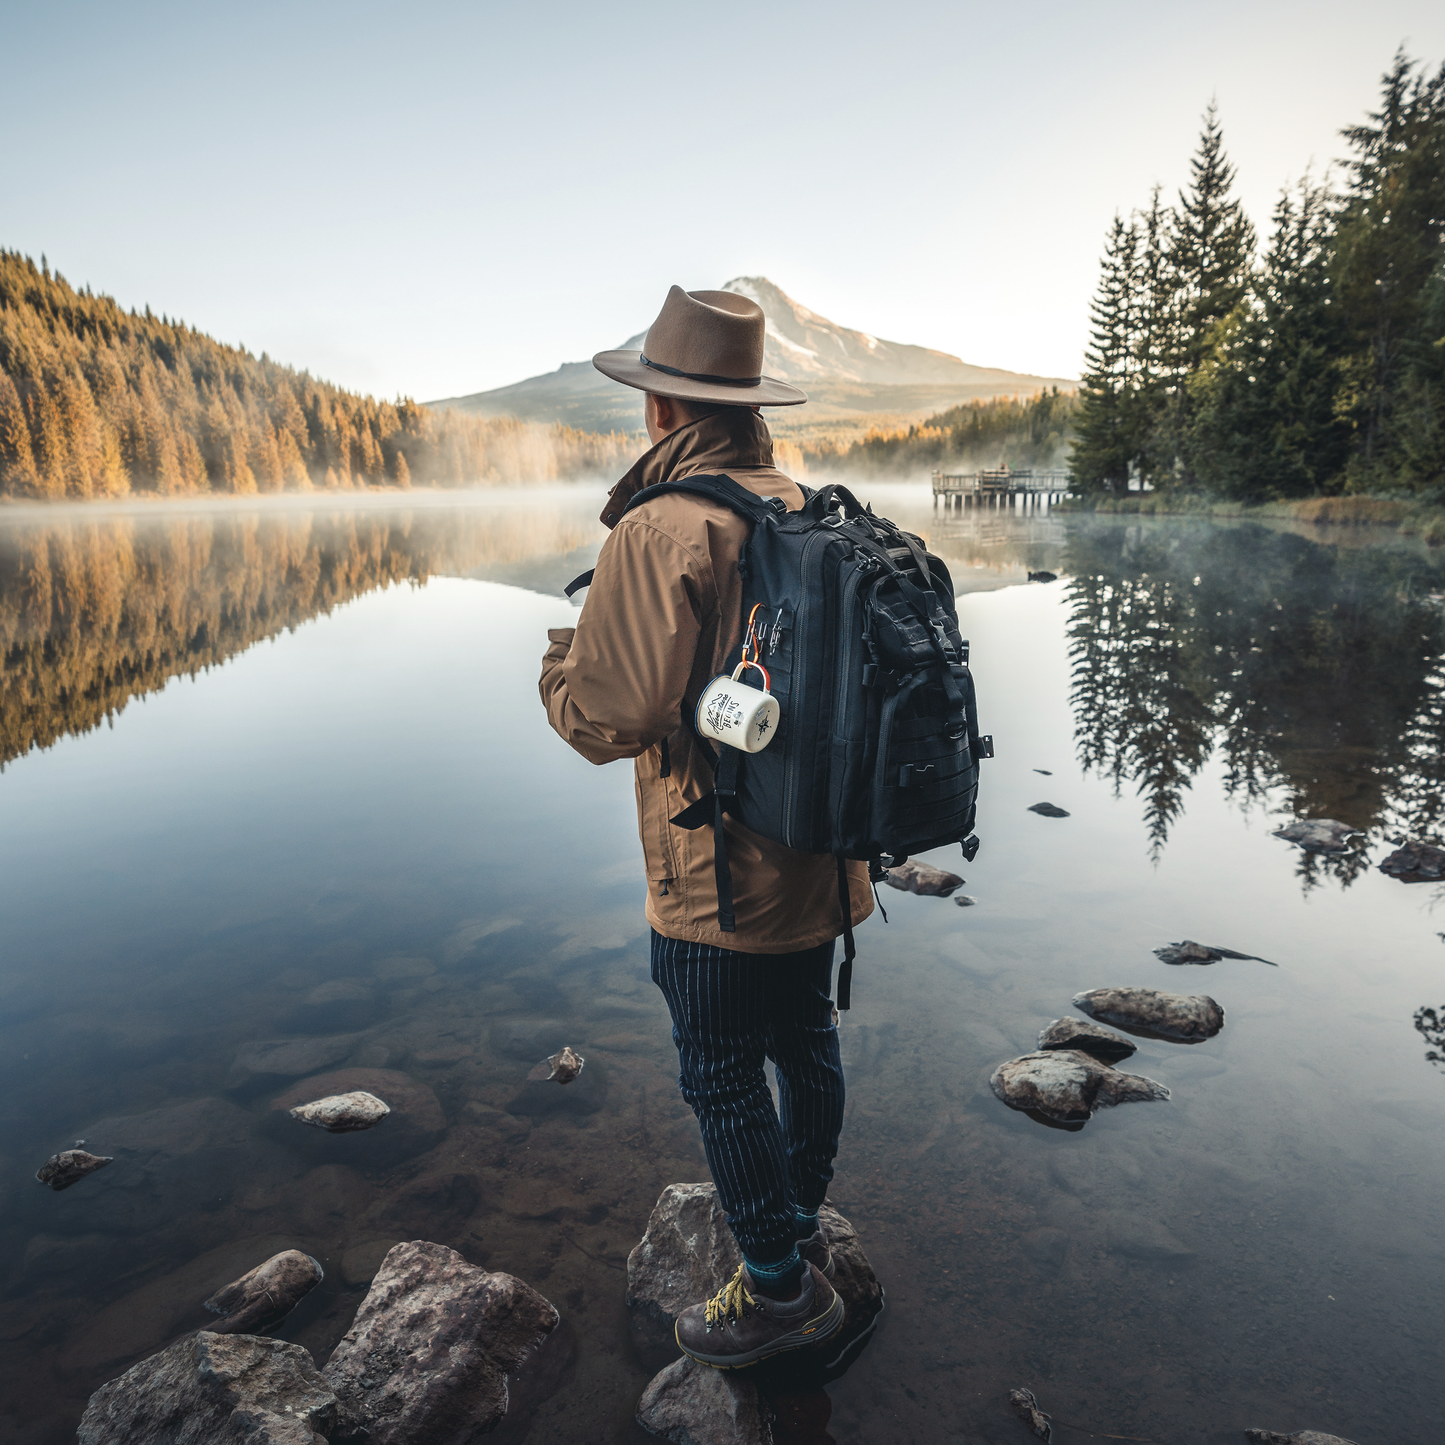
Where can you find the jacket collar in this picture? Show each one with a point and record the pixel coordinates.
(736, 438)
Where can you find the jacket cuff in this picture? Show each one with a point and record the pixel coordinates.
(561, 636)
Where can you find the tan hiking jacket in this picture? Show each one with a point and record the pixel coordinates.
(662, 614)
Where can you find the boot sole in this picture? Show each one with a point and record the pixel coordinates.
(824, 1327)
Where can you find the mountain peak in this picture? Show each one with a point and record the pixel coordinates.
(802, 346)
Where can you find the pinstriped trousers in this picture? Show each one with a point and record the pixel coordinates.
(731, 1012)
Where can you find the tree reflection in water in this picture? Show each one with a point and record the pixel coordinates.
(1314, 668)
(1431, 1023)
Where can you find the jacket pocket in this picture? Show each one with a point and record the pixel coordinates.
(657, 801)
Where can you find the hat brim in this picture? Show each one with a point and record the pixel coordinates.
(627, 367)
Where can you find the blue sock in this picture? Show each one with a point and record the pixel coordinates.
(807, 1224)
(781, 1280)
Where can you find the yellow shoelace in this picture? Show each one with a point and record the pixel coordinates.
(730, 1302)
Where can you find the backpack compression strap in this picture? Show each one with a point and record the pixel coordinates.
(748, 505)
(845, 902)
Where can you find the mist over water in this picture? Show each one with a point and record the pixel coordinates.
(257, 789)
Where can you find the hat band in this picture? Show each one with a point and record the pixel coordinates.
(701, 375)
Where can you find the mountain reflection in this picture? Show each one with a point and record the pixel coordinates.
(97, 610)
(1314, 669)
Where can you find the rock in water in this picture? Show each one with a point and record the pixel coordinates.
(1415, 862)
(694, 1404)
(964, 901)
(342, 1113)
(1087, 1038)
(217, 1389)
(1068, 1085)
(1300, 1437)
(1043, 576)
(1317, 835)
(566, 1065)
(688, 1252)
(1026, 1407)
(431, 1347)
(1048, 810)
(1187, 951)
(916, 877)
(1186, 1017)
(69, 1167)
(267, 1294)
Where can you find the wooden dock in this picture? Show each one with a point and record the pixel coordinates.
(999, 486)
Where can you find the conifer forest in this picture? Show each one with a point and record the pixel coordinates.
(1309, 364)
(96, 401)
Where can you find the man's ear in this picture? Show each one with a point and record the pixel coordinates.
(667, 414)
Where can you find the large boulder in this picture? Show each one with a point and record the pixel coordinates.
(688, 1252)
(211, 1389)
(272, 1059)
(267, 1294)
(1186, 1018)
(428, 1355)
(694, 1404)
(1067, 1085)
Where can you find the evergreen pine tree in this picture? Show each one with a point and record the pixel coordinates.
(1389, 249)
(1105, 442)
(1213, 248)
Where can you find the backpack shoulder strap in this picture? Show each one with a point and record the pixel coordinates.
(748, 505)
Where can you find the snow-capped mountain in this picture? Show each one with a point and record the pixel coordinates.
(845, 373)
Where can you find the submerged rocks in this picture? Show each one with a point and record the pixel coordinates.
(695, 1404)
(1067, 1085)
(289, 1058)
(69, 1167)
(1415, 862)
(1187, 951)
(431, 1346)
(924, 878)
(1184, 1017)
(1318, 835)
(1049, 810)
(342, 1113)
(688, 1251)
(1087, 1038)
(267, 1294)
(1300, 1437)
(214, 1388)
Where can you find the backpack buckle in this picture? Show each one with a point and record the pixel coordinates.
(970, 847)
(983, 747)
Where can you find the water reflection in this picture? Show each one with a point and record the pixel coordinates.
(1431, 1023)
(96, 610)
(1314, 669)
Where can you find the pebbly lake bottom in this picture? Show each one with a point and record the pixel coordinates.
(355, 832)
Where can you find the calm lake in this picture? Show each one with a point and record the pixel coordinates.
(279, 773)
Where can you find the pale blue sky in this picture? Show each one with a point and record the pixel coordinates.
(438, 198)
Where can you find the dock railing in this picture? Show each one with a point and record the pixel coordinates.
(1000, 483)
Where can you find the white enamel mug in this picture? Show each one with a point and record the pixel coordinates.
(731, 712)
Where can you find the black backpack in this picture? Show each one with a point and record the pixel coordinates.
(877, 750)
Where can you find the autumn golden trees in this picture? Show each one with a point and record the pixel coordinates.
(98, 402)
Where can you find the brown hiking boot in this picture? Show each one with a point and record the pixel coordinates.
(739, 1327)
(815, 1250)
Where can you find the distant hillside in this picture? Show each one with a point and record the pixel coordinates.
(855, 381)
(95, 401)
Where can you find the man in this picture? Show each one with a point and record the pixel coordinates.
(663, 613)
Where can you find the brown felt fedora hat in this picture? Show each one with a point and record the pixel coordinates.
(704, 346)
